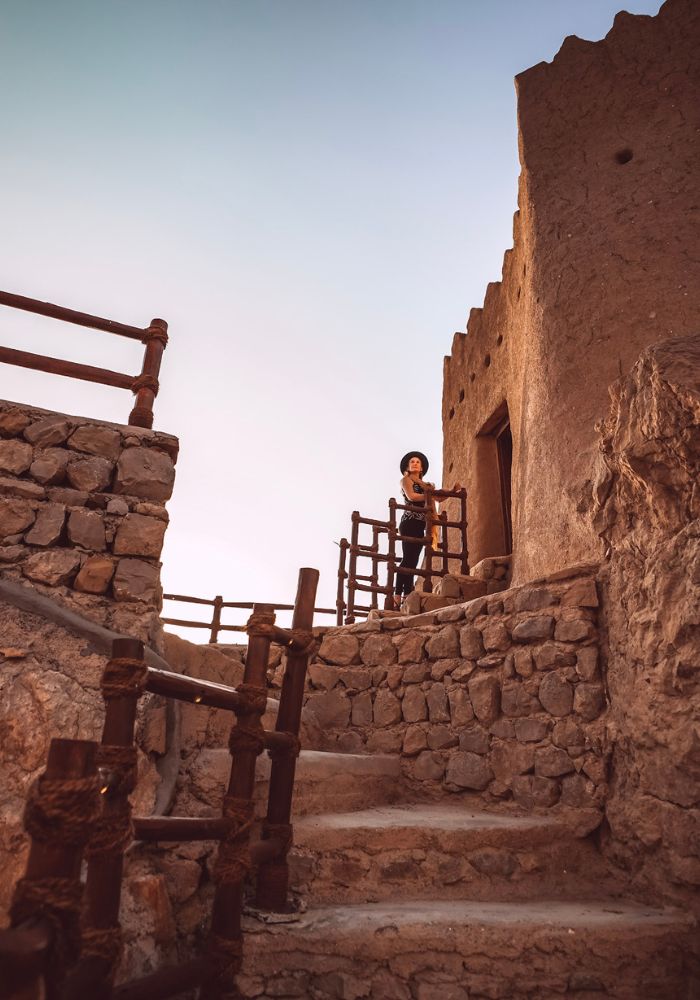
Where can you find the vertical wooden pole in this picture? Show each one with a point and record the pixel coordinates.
(428, 580)
(116, 759)
(352, 567)
(233, 861)
(374, 576)
(273, 876)
(342, 575)
(391, 551)
(463, 530)
(216, 619)
(50, 892)
(146, 384)
(445, 543)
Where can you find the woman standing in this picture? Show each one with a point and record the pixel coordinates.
(414, 466)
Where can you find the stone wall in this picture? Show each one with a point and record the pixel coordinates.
(499, 698)
(603, 264)
(82, 520)
(648, 513)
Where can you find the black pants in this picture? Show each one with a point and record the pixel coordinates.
(411, 552)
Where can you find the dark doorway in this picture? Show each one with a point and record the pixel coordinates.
(504, 448)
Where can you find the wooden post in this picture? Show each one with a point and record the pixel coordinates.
(46, 903)
(216, 619)
(352, 567)
(374, 575)
(145, 385)
(123, 681)
(273, 876)
(428, 585)
(391, 564)
(445, 541)
(233, 860)
(342, 576)
(463, 530)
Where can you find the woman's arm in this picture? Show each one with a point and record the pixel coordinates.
(407, 487)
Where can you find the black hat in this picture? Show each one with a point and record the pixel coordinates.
(414, 454)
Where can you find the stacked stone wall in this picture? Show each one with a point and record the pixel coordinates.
(500, 698)
(82, 521)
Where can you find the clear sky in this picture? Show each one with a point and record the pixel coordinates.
(313, 193)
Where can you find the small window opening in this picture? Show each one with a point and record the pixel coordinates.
(624, 155)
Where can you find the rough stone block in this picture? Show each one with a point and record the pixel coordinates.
(410, 645)
(103, 441)
(533, 791)
(329, 709)
(90, 474)
(13, 422)
(448, 586)
(532, 599)
(385, 741)
(387, 708)
(461, 711)
(475, 739)
(429, 766)
(49, 466)
(15, 456)
(503, 729)
(491, 661)
(444, 644)
(438, 706)
(495, 637)
(414, 741)
(413, 706)
(569, 735)
(587, 663)
(355, 678)
(556, 694)
(534, 629)
(415, 673)
(15, 516)
(140, 536)
(530, 730)
(485, 695)
(468, 770)
(361, 713)
(552, 655)
(581, 594)
(145, 473)
(577, 630)
(323, 676)
(493, 861)
(135, 580)
(522, 662)
(87, 529)
(551, 762)
(516, 701)
(453, 614)
(23, 489)
(339, 648)
(53, 567)
(509, 759)
(95, 575)
(589, 701)
(441, 738)
(378, 651)
(117, 506)
(470, 643)
(48, 526)
(440, 668)
(578, 792)
(48, 431)
(67, 496)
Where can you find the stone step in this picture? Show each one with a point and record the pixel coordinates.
(324, 781)
(402, 851)
(463, 950)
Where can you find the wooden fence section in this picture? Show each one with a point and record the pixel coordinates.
(218, 604)
(386, 563)
(145, 385)
(83, 803)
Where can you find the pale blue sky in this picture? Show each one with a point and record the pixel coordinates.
(313, 193)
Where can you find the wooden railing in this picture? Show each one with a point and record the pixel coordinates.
(385, 563)
(144, 385)
(218, 604)
(82, 805)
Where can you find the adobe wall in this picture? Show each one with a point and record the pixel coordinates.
(605, 262)
(82, 520)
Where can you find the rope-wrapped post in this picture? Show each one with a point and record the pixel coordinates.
(44, 940)
(216, 619)
(445, 546)
(273, 876)
(233, 861)
(352, 567)
(429, 519)
(342, 575)
(123, 682)
(463, 530)
(145, 386)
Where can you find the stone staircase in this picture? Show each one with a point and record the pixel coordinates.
(437, 901)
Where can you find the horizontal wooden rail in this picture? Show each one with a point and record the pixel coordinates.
(70, 316)
(191, 689)
(71, 369)
(371, 588)
(242, 605)
(188, 624)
